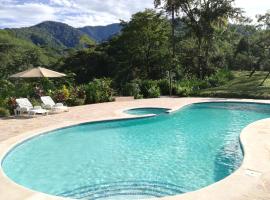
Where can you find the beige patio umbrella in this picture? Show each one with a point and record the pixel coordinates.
(38, 72)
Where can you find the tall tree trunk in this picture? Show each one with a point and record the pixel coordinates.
(173, 46)
(200, 58)
(252, 72)
(265, 79)
(206, 59)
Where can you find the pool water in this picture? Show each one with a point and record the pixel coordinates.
(142, 158)
(147, 111)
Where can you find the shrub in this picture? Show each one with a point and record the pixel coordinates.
(164, 86)
(149, 89)
(154, 92)
(77, 96)
(38, 92)
(11, 104)
(35, 101)
(183, 91)
(98, 91)
(132, 89)
(24, 89)
(62, 95)
(73, 101)
(3, 102)
(47, 85)
(4, 112)
(220, 78)
(189, 87)
(6, 89)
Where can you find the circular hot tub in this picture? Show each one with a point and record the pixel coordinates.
(147, 111)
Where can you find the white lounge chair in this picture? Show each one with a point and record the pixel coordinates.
(49, 104)
(25, 106)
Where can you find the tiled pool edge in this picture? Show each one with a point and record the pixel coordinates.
(239, 185)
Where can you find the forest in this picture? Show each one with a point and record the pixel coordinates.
(181, 48)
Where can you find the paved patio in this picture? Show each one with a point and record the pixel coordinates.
(250, 182)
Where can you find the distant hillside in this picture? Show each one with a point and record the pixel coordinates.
(67, 35)
(18, 54)
(60, 36)
(52, 34)
(101, 33)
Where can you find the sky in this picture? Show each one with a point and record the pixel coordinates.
(79, 13)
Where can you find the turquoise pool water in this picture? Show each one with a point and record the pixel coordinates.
(147, 111)
(140, 158)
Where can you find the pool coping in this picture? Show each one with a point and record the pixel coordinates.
(253, 173)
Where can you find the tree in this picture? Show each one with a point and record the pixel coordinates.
(264, 20)
(87, 64)
(264, 42)
(171, 7)
(142, 48)
(252, 52)
(203, 18)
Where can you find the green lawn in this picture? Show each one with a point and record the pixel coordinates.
(242, 87)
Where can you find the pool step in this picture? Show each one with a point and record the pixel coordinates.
(116, 190)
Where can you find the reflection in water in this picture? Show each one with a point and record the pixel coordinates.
(227, 160)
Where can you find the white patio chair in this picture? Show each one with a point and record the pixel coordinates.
(25, 106)
(49, 104)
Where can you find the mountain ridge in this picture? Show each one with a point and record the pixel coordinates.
(101, 33)
(61, 35)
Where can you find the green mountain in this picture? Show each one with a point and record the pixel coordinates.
(61, 36)
(52, 34)
(17, 54)
(101, 33)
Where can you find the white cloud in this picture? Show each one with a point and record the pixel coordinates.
(18, 13)
(96, 12)
(64, 3)
(252, 8)
(27, 14)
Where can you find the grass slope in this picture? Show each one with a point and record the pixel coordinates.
(242, 87)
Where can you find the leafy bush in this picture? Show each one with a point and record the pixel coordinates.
(154, 92)
(47, 85)
(24, 89)
(220, 78)
(77, 96)
(132, 89)
(189, 87)
(35, 101)
(38, 92)
(3, 102)
(10, 104)
(62, 95)
(98, 91)
(4, 112)
(149, 89)
(73, 101)
(164, 86)
(6, 89)
(183, 91)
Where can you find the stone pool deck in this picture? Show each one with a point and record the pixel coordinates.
(250, 182)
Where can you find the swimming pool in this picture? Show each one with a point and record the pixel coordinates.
(139, 158)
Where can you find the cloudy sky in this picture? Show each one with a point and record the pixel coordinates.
(78, 13)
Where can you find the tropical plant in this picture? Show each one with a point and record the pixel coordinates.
(62, 95)
(164, 86)
(4, 112)
(149, 89)
(98, 91)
